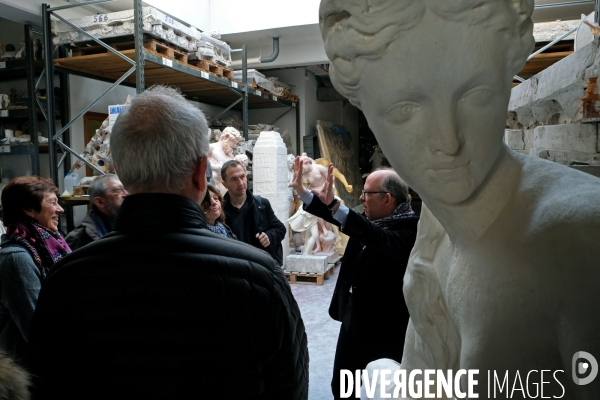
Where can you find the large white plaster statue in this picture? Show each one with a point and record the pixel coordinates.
(308, 225)
(504, 275)
(222, 151)
(314, 175)
(318, 235)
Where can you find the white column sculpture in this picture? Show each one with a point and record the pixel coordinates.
(270, 172)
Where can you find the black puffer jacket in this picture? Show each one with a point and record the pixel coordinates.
(164, 308)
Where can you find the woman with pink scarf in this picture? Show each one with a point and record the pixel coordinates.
(31, 245)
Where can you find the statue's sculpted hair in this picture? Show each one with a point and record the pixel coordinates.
(358, 31)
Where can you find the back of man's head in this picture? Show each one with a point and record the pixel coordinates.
(157, 141)
(395, 186)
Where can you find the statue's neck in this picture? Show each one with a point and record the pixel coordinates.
(470, 219)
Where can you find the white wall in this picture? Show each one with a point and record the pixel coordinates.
(298, 45)
(311, 110)
(193, 12)
(31, 10)
(288, 122)
(243, 16)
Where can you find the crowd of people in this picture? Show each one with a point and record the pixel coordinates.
(169, 289)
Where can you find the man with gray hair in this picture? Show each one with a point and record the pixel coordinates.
(106, 195)
(162, 307)
(372, 269)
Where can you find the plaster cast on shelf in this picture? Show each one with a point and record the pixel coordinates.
(9, 52)
(97, 151)
(4, 101)
(503, 274)
(21, 51)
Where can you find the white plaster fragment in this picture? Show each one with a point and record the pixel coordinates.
(306, 264)
(581, 138)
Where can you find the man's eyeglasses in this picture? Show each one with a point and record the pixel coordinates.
(364, 193)
(117, 190)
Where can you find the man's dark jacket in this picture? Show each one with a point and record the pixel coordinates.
(163, 308)
(373, 265)
(265, 221)
(85, 233)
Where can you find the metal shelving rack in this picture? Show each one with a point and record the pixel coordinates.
(28, 68)
(140, 67)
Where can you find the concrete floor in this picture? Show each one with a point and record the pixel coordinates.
(322, 332)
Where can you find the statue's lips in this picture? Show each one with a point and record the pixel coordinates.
(451, 167)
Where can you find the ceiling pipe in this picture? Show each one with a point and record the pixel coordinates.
(257, 61)
(275, 53)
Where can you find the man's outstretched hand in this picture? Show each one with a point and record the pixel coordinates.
(325, 193)
(296, 182)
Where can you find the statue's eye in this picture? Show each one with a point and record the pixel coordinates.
(480, 96)
(403, 111)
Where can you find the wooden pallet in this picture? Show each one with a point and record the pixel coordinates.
(310, 278)
(305, 279)
(330, 271)
(155, 46)
(213, 68)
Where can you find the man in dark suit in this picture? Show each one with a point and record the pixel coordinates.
(368, 296)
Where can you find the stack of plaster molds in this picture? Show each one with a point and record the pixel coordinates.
(280, 87)
(254, 78)
(554, 115)
(155, 23)
(102, 26)
(211, 49)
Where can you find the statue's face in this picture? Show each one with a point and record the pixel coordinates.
(436, 101)
(307, 163)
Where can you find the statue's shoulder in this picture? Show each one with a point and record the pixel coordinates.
(560, 210)
(559, 192)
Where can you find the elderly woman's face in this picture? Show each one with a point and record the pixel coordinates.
(436, 101)
(49, 213)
